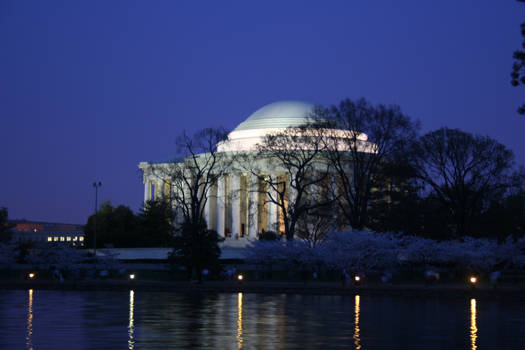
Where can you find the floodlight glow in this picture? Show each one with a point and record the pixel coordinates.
(357, 278)
(240, 277)
(31, 275)
(473, 279)
(132, 276)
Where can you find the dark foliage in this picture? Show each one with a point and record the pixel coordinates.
(120, 228)
(5, 227)
(156, 224)
(464, 172)
(268, 236)
(518, 66)
(196, 248)
(116, 227)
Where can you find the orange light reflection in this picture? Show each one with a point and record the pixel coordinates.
(29, 333)
(473, 326)
(239, 321)
(357, 310)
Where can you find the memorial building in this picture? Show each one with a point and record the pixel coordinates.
(237, 204)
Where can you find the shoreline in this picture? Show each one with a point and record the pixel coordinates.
(261, 287)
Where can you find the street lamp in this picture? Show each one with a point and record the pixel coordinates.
(96, 185)
(473, 280)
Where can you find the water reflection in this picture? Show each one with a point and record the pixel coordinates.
(357, 338)
(239, 321)
(29, 333)
(473, 326)
(208, 321)
(131, 326)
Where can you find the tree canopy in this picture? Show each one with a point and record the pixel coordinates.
(120, 228)
(371, 135)
(5, 229)
(518, 67)
(463, 171)
(196, 248)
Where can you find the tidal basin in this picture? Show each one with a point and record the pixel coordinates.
(51, 319)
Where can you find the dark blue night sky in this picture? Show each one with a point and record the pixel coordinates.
(88, 89)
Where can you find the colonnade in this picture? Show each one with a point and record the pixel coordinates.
(237, 204)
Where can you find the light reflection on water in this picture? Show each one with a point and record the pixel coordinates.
(131, 326)
(473, 326)
(239, 321)
(29, 336)
(108, 320)
(357, 339)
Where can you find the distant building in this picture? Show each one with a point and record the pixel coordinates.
(48, 232)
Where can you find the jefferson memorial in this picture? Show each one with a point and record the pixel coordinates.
(237, 203)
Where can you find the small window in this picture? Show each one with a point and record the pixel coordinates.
(55, 239)
(68, 238)
(75, 239)
(62, 239)
(81, 239)
(50, 239)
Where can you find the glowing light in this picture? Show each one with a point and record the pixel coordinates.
(240, 277)
(239, 321)
(29, 332)
(473, 326)
(473, 279)
(357, 336)
(357, 278)
(132, 276)
(31, 275)
(131, 324)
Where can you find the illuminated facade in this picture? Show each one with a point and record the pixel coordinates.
(48, 232)
(237, 204)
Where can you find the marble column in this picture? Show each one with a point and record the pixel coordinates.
(158, 189)
(272, 211)
(147, 190)
(236, 204)
(253, 213)
(207, 213)
(221, 206)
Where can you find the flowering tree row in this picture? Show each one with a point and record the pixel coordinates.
(371, 251)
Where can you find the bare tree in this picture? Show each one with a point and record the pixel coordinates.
(315, 226)
(194, 171)
(463, 171)
(361, 138)
(190, 178)
(296, 186)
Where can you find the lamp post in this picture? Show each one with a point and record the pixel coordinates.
(96, 185)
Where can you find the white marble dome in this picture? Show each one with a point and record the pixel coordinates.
(270, 118)
(281, 114)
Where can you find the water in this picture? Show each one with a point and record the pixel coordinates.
(38, 319)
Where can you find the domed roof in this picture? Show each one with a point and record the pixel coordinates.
(280, 114)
